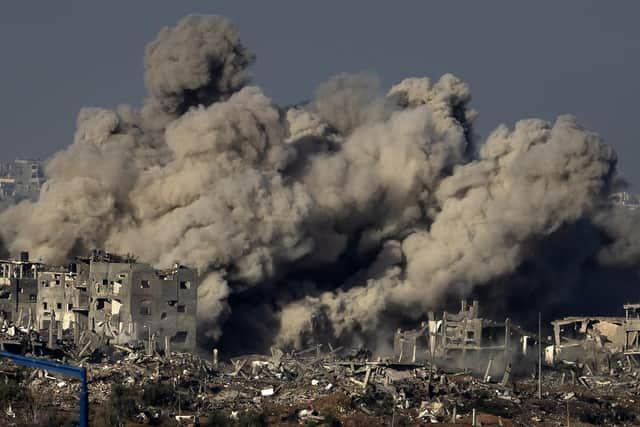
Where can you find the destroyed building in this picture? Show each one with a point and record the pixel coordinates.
(632, 332)
(124, 301)
(19, 289)
(596, 340)
(578, 337)
(462, 337)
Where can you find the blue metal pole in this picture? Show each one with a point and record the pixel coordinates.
(73, 371)
(84, 400)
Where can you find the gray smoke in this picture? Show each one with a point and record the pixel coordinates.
(327, 218)
(221, 201)
(484, 225)
(348, 101)
(622, 228)
(197, 62)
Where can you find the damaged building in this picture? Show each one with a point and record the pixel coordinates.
(463, 337)
(632, 333)
(117, 298)
(577, 338)
(19, 289)
(597, 341)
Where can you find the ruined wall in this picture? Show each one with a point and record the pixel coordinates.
(167, 304)
(128, 301)
(58, 295)
(110, 300)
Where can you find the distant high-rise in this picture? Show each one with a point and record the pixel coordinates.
(21, 179)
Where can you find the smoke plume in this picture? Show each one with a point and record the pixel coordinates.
(339, 218)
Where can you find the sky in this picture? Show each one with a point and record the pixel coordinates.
(521, 59)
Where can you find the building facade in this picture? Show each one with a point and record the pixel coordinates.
(21, 179)
(119, 298)
(19, 290)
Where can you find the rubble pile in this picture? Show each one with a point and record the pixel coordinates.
(315, 387)
(586, 380)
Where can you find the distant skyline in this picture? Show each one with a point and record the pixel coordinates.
(522, 60)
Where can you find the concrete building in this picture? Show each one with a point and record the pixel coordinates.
(632, 332)
(62, 297)
(131, 302)
(21, 179)
(125, 301)
(465, 339)
(596, 339)
(7, 188)
(19, 290)
(578, 337)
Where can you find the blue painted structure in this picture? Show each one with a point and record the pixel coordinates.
(73, 371)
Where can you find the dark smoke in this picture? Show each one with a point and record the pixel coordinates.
(339, 218)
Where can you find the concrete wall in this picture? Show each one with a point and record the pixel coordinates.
(110, 300)
(131, 302)
(166, 303)
(56, 297)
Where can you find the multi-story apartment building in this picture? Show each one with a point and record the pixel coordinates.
(130, 301)
(19, 289)
(124, 300)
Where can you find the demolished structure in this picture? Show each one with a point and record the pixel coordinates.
(464, 339)
(597, 341)
(115, 297)
(417, 383)
(632, 332)
(577, 336)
